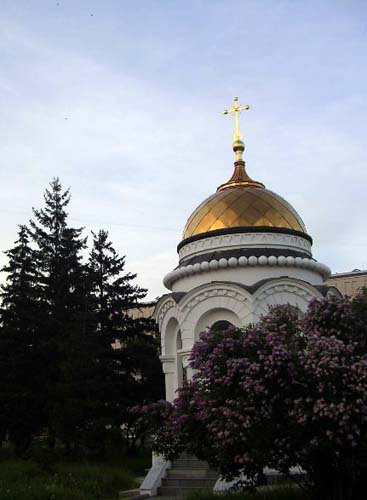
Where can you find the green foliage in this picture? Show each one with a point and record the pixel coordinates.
(132, 373)
(61, 321)
(21, 403)
(61, 284)
(26, 480)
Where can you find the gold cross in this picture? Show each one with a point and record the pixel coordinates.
(236, 110)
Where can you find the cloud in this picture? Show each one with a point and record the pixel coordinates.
(130, 119)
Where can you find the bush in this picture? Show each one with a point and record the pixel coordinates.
(282, 393)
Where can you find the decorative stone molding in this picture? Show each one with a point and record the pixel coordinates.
(281, 288)
(212, 297)
(162, 310)
(248, 240)
(283, 291)
(282, 260)
(213, 292)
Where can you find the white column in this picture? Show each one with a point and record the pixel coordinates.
(169, 370)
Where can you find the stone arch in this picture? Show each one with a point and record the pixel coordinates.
(216, 315)
(170, 359)
(333, 292)
(169, 337)
(212, 302)
(296, 293)
(164, 309)
(165, 314)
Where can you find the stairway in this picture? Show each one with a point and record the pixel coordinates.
(187, 475)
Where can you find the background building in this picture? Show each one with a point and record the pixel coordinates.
(348, 283)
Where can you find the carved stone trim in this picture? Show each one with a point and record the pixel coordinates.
(281, 288)
(248, 240)
(213, 292)
(213, 265)
(163, 310)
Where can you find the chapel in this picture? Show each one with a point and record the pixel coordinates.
(243, 249)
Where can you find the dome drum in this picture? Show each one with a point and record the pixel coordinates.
(245, 237)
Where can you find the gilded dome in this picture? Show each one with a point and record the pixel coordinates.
(243, 206)
(242, 202)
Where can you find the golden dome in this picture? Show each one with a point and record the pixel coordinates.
(242, 202)
(243, 206)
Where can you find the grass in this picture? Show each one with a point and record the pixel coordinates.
(27, 480)
(281, 492)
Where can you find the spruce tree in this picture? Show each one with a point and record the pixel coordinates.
(62, 295)
(21, 365)
(113, 293)
(59, 257)
(73, 360)
(128, 346)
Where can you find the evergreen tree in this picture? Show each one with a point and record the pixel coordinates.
(62, 295)
(21, 400)
(112, 293)
(72, 358)
(128, 346)
(59, 256)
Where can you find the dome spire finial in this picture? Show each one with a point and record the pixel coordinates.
(238, 144)
(240, 178)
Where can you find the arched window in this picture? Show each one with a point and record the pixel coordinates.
(221, 325)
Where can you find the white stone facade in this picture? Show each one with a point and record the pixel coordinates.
(234, 289)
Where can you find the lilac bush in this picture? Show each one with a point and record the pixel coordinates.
(282, 393)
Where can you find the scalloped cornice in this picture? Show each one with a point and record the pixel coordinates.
(232, 262)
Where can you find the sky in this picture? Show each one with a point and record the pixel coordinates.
(122, 101)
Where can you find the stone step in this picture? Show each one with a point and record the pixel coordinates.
(194, 473)
(189, 482)
(186, 476)
(182, 463)
(181, 491)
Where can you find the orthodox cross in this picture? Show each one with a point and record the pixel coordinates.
(236, 110)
